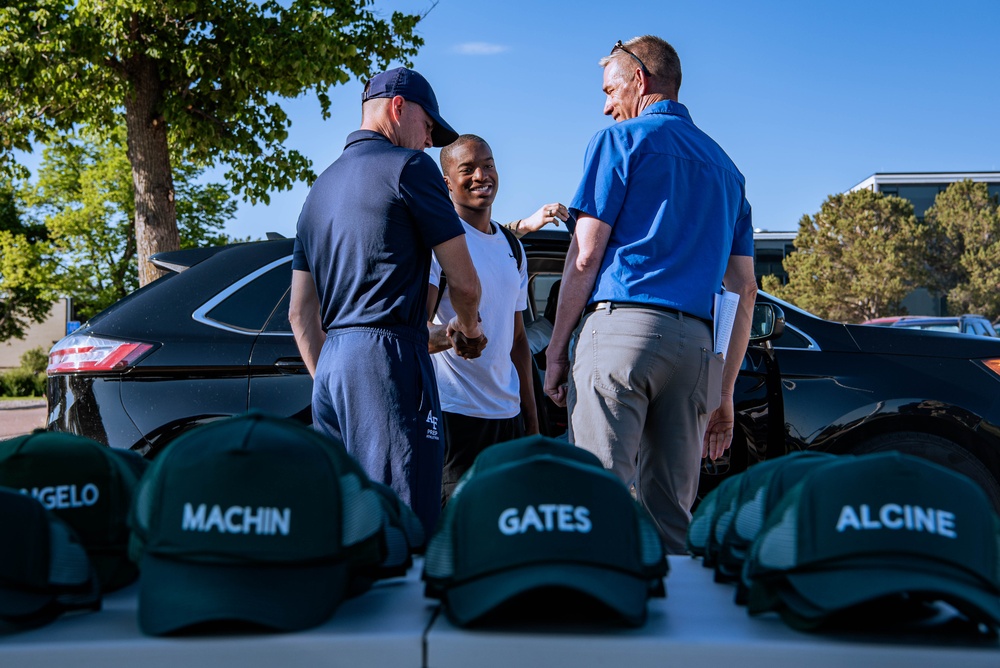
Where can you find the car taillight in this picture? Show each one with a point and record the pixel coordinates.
(78, 353)
(993, 364)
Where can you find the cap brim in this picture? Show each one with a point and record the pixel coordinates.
(442, 134)
(16, 604)
(174, 595)
(624, 594)
(838, 589)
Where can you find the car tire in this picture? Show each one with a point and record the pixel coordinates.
(938, 450)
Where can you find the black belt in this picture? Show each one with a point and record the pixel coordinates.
(611, 306)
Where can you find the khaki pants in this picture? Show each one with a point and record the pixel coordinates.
(642, 388)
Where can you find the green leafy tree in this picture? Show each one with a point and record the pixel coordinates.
(23, 265)
(856, 259)
(965, 248)
(84, 196)
(193, 81)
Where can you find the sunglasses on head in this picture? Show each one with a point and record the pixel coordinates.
(619, 45)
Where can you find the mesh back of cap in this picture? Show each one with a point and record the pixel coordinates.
(701, 524)
(750, 516)
(68, 562)
(776, 548)
(362, 510)
(652, 546)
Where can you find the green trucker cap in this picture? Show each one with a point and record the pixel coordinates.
(403, 536)
(702, 523)
(762, 483)
(763, 492)
(86, 484)
(856, 533)
(539, 514)
(253, 520)
(44, 570)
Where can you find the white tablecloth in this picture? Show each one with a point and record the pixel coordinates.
(393, 625)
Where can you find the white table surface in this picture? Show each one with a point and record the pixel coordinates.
(393, 625)
(382, 627)
(697, 625)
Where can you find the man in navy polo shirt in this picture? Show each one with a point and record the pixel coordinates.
(662, 223)
(359, 289)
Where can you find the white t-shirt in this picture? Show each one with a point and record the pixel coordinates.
(488, 386)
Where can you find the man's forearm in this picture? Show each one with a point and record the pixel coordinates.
(520, 355)
(739, 278)
(304, 317)
(583, 264)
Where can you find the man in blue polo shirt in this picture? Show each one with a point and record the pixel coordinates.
(359, 289)
(662, 224)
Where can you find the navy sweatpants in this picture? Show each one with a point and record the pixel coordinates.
(375, 391)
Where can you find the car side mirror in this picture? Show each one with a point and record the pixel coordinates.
(768, 323)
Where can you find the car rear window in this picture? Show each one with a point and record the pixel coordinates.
(279, 323)
(250, 306)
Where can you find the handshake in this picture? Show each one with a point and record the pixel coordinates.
(465, 346)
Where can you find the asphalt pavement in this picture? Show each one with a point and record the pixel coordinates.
(20, 416)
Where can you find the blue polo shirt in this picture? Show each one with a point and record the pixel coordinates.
(366, 231)
(676, 205)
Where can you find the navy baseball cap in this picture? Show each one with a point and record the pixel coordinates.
(539, 515)
(254, 520)
(44, 570)
(86, 484)
(859, 532)
(412, 87)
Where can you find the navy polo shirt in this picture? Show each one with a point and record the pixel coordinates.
(366, 231)
(676, 205)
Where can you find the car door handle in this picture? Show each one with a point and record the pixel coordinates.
(290, 364)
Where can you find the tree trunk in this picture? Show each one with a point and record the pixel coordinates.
(155, 210)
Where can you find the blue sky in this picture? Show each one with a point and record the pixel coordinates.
(808, 98)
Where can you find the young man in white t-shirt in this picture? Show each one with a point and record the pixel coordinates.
(490, 398)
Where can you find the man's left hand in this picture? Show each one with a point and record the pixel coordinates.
(719, 435)
(556, 375)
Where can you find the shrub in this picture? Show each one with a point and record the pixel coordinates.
(35, 360)
(21, 383)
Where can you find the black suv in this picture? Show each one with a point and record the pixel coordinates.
(212, 339)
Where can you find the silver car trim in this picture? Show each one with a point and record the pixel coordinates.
(812, 342)
(201, 313)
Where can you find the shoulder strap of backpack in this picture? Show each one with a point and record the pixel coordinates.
(515, 245)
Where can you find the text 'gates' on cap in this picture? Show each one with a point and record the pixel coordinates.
(539, 513)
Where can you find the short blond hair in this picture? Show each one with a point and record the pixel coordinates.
(661, 59)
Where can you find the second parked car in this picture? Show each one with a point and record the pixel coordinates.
(973, 325)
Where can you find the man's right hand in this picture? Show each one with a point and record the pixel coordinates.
(468, 348)
(468, 342)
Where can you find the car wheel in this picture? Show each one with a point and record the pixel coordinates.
(938, 450)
